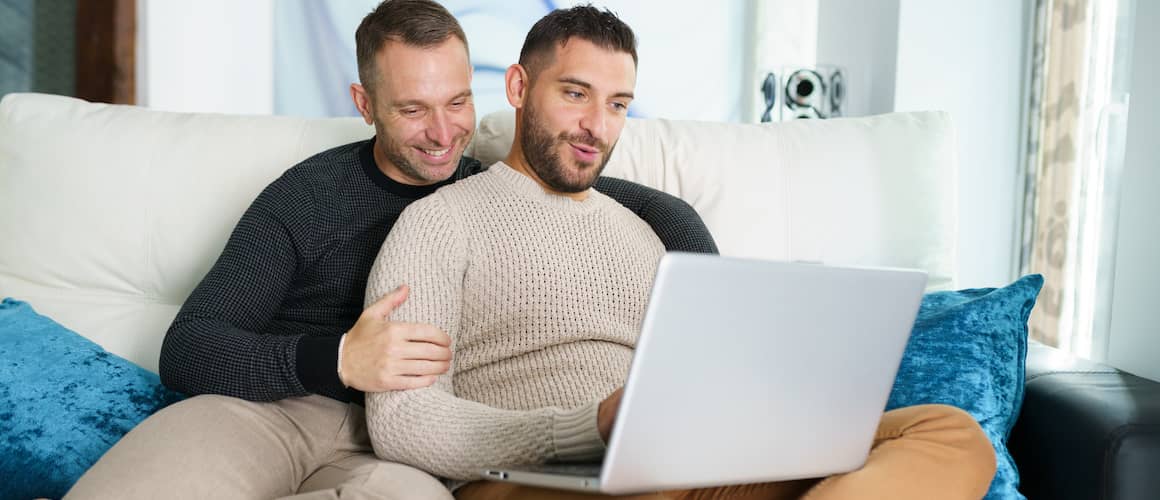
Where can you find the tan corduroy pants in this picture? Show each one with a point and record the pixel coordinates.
(227, 448)
(921, 452)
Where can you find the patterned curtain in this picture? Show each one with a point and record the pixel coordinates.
(1075, 115)
(1061, 49)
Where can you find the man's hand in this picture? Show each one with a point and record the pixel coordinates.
(381, 355)
(606, 414)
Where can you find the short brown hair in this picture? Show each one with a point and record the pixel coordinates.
(601, 27)
(418, 23)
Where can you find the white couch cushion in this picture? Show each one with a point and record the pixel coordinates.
(875, 191)
(110, 215)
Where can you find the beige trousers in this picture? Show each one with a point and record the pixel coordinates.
(921, 452)
(227, 448)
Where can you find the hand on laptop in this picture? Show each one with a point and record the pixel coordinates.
(381, 355)
(606, 414)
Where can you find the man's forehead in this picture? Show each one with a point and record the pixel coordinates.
(424, 74)
(583, 61)
(449, 50)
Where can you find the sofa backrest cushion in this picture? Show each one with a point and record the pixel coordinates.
(874, 191)
(110, 215)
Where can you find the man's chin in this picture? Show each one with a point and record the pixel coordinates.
(437, 171)
(577, 184)
(586, 174)
(441, 173)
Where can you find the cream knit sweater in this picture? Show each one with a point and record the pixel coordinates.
(542, 297)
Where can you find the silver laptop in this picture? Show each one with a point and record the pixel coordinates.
(750, 371)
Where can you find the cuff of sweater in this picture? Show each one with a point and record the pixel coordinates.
(576, 434)
(316, 364)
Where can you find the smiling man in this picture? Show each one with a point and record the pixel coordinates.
(541, 282)
(275, 345)
(422, 112)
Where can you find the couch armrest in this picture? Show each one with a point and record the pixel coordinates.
(1086, 430)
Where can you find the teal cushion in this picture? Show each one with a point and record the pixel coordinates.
(64, 401)
(969, 349)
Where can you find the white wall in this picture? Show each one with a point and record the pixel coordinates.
(208, 56)
(863, 37)
(1134, 344)
(962, 57)
(691, 56)
(784, 34)
(968, 58)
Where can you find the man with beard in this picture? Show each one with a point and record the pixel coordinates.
(275, 343)
(541, 283)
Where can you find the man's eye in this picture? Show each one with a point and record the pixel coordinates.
(458, 104)
(573, 94)
(409, 112)
(619, 106)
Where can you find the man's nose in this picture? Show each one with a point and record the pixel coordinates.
(595, 122)
(439, 129)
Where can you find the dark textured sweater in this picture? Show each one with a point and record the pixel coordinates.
(265, 322)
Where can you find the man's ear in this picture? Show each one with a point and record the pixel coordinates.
(516, 84)
(362, 102)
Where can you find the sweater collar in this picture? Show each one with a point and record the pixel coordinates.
(528, 188)
(366, 157)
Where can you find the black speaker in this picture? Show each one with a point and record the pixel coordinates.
(803, 93)
(837, 92)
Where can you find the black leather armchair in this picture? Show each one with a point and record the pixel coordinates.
(1087, 431)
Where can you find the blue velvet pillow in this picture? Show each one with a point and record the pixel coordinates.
(64, 401)
(969, 349)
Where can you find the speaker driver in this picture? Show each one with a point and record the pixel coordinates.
(802, 88)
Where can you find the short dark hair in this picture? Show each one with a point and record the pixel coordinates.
(418, 23)
(601, 27)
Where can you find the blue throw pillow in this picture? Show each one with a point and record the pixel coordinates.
(64, 401)
(969, 349)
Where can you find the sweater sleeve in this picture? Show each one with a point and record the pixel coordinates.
(431, 428)
(675, 222)
(213, 345)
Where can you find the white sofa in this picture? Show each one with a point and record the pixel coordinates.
(110, 215)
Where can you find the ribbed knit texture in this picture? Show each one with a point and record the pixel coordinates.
(543, 298)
